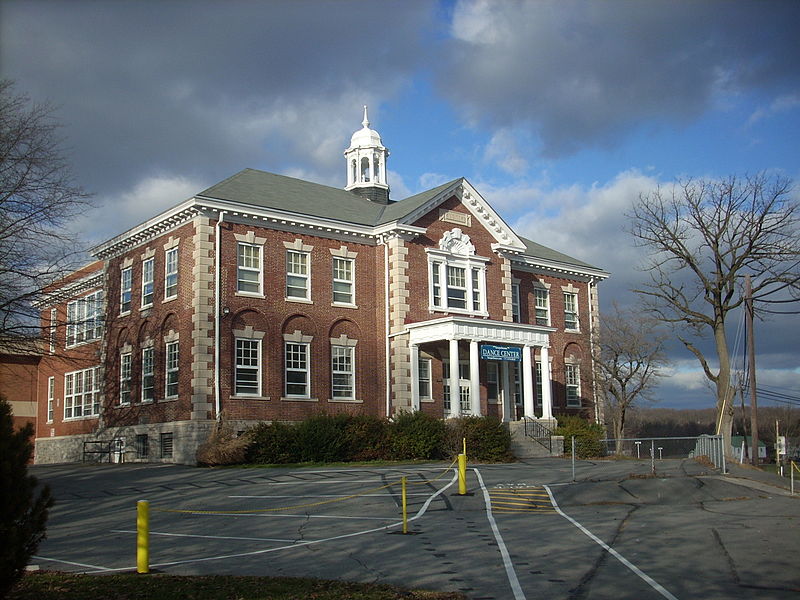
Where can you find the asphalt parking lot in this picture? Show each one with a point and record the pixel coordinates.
(524, 530)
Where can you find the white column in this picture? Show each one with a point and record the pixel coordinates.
(547, 396)
(527, 383)
(414, 377)
(455, 390)
(508, 392)
(474, 378)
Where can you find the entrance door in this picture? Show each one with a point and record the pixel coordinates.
(463, 385)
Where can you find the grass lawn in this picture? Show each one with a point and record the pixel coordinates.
(131, 586)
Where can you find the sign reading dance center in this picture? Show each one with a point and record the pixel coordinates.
(511, 353)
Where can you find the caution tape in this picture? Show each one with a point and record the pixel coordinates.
(439, 476)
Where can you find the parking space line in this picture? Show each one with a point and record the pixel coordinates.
(206, 537)
(644, 576)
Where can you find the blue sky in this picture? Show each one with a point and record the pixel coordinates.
(560, 113)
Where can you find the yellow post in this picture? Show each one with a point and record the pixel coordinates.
(142, 536)
(462, 474)
(464, 443)
(405, 505)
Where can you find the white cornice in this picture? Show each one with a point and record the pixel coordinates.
(538, 265)
(72, 289)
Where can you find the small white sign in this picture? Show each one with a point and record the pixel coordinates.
(781, 444)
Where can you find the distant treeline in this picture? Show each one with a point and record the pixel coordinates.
(679, 422)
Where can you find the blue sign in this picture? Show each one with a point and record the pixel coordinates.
(511, 353)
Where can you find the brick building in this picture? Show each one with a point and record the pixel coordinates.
(271, 298)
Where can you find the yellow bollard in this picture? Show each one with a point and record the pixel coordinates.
(464, 443)
(405, 505)
(462, 474)
(142, 536)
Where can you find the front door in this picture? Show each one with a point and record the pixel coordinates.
(463, 386)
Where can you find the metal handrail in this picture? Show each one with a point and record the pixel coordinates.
(538, 432)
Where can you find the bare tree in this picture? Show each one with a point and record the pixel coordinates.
(38, 199)
(703, 237)
(628, 359)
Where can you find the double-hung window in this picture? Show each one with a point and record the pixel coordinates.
(573, 383)
(249, 269)
(148, 376)
(125, 290)
(171, 274)
(147, 282)
(125, 378)
(51, 393)
(492, 382)
(343, 280)
(85, 319)
(247, 380)
(515, 314)
(457, 285)
(171, 370)
(538, 379)
(342, 372)
(570, 310)
(81, 393)
(542, 300)
(297, 374)
(424, 378)
(297, 275)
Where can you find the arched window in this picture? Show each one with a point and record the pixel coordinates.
(364, 169)
(355, 171)
(376, 166)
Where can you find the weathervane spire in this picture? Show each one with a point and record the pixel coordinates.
(365, 122)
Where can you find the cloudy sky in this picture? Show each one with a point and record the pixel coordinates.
(560, 113)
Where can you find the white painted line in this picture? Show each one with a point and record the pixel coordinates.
(328, 496)
(649, 580)
(76, 564)
(298, 544)
(501, 545)
(300, 516)
(205, 537)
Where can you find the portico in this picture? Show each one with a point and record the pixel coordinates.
(521, 339)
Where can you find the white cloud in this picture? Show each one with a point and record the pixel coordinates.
(503, 150)
(779, 105)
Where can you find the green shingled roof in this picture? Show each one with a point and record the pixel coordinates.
(268, 190)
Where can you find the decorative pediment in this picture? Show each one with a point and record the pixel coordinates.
(456, 241)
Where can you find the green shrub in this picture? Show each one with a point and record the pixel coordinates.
(487, 439)
(321, 438)
(23, 509)
(366, 438)
(416, 435)
(273, 443)
(587, 436)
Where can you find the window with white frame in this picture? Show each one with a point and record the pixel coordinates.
(247, 378)
(572, 378)
(147, 282)
(343, 280)
(515, 314)
(297, 277)
(171, 273)
(297, 376)
(570, 310)
(148, 375)
(52, 331)
(542, 304)
(85, 319)
(249, 273)
(125, 290)
(492, 382)
(424, 375)
(457, 286)
(342, 372)
(51, 394)
(171, 370)
(125, 362)
(82, 393)
(538, 381)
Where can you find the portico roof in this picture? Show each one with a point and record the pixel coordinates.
(484, 330)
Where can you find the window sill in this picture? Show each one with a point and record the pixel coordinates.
(571, 330)
(170, 399)
(248, 294)
(124, 314)
(299, 300)
(83, 418)
(170, 299)
(345, 401)
(427, 400)
(245, 397)
(343, 305)
(458, 311)
(298, 399)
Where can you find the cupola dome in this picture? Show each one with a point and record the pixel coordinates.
(366, 164)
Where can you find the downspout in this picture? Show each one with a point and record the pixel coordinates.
(217, 311)
(388, 374)
(592, 321)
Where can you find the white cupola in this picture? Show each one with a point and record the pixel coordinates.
(366, 164)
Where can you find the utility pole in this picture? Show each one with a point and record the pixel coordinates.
(751, 365)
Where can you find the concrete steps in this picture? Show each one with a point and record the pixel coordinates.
(524, 447)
